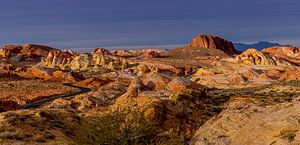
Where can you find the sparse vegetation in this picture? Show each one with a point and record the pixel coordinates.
(115, 128)
(112, 128)
(288, 134)
(263, 94)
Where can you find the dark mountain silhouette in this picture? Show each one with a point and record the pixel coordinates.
(259, 45)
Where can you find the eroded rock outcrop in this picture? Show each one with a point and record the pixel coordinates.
(101, 51)
(68, 60)
(244, 122)
(26, 52)
(151, 52)
(60, 59)
(156, 81)
(183, 84)
(255, 57)
(92, 83)
(151, 55)
(213, 42)
(288, 53)
(170, 110)
(53, 75)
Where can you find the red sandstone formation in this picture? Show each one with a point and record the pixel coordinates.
(28, 51)
(214, 42)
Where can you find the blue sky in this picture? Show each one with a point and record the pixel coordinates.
(83, 24)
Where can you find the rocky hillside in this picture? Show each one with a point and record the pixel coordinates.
(28, 51)
(207, 94)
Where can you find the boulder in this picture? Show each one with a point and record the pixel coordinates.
(182, 84)
(53, 75)
(204, 72)
(142, 69)
(67, 77)
(39, 72)
(92, 83)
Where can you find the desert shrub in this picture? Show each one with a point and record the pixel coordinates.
(118, 128)
(287, 134)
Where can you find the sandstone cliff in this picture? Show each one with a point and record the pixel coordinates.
(213, 42)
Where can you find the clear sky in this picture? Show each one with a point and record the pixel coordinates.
(155, 23)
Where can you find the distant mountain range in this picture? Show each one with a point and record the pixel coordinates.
(259, 45)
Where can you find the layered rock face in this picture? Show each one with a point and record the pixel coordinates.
(255, 57)
(244, 122)
(214, 42)
(25, 52)
(289, 53)
(283, 50)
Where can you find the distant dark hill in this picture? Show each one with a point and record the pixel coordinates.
(259, 45)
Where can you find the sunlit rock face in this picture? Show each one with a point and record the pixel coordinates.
(213, 42)
(26, 52)
(288, 53)
(255, 57)
(69, 60)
